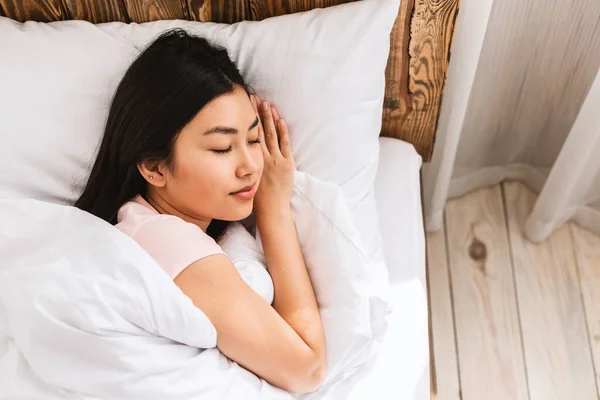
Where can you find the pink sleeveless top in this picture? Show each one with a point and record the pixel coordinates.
(172, 242)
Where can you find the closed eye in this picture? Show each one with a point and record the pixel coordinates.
(227, 150)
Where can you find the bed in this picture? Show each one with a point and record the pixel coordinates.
(415, 78)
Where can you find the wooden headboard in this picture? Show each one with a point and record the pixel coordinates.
(416, 70)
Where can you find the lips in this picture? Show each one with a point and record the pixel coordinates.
(244, 189)
(245, 194)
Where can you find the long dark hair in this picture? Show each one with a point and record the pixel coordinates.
(162, 90)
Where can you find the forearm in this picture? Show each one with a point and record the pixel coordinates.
(294, 295)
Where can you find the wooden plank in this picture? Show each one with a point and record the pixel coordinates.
(153, 10)
(219, 11)
(557, 353)
(261, 9)
(96, 11)
(587, 252)
(397, 101)
(442, 320)
(413, 116)
(487, 325)
(33, 10)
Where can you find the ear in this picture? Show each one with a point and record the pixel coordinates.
(153, 172)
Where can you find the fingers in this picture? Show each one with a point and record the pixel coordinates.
(284, 139)
(276, 117)
(261, 131)
(275, 135)
(270, 130)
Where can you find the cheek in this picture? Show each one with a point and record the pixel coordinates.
(195, 173)
(259, 161)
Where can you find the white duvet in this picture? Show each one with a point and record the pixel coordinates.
(86, 313)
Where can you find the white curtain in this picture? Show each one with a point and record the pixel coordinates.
(549, 137)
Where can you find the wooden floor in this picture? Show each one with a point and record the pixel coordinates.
(513, 319)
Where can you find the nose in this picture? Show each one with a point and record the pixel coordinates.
(248, 163)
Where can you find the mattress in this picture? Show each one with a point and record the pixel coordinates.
(401, 370)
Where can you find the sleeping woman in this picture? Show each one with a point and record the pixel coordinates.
(186, 149)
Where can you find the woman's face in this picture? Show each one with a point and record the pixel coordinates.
(216, 155)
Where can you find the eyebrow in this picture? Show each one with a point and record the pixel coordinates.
(229, 131)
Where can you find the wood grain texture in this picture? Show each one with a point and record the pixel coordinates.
(33, 10)
(397, 104)
(155, 10)
(219, 10)
(261, 9)
(485, 308)
(557, 352)
(587, 252)
(431, 30)
(442, 319)
(96, 11)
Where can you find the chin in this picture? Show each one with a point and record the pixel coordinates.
(238, 215)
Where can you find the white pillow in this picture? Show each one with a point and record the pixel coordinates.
(323, 69)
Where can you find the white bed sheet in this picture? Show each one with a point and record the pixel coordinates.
(402, 369)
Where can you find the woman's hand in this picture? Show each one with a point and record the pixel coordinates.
(294, 298)
(275, 189)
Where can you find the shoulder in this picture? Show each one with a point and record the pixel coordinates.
(172, 242)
